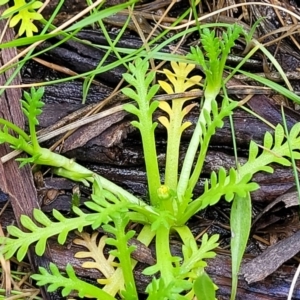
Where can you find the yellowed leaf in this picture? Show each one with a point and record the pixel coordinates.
(172, 77)
(164, 121)
(95, 251)
(181, 83)
(164, 105)
(181, 68)
(189, 107)
(166, 87)
(179, 79)
(191, 82)
(184, 126)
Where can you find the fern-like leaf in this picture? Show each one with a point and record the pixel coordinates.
(26, 13)
(19, 241)
(157, 289)
(229, 38)
(123, 250)
(275, 150)
(211, 44)
(142, 93)
(95, 251)
(68, 283)
(194, 258)
(32, 105)
(180, 82)
(209, 126)
(221, 186)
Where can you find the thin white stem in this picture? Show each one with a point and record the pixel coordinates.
(292, 287)
(217, 12)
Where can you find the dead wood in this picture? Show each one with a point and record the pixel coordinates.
(273, 257)
(16, 182)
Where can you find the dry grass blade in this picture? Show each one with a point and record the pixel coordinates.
(6, 281)
(207, 16)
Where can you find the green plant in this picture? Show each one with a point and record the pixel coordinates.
(24, 12)
(172, 202)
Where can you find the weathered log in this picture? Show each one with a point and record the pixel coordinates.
(15, 182)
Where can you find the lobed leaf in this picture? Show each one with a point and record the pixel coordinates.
(22, 251)
(166, 87)
(41, 218)
(253, 151)
(204, 287)
(195, 260)
(14, 231)
(149, 77)
(58, 216)
(152, 92)
(268, 140)
(68, 283)
(63, 236)
(157, 289)
(230, 37)
(295, 131)
(278, 136)
(95, 252)
(129, 78)
(41, 246)
(28, 223)
(131, 108)
(130, 93)
(26, 14)
(23, 240)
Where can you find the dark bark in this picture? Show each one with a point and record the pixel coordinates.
(16, 182)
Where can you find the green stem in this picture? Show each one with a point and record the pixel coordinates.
(199, 164)
(189, 241)
(150, 155)
(174, 137)
(33, 136)
(69, 168)
(116, 281)
(126, 264)
(16, 129)
(192, 150)
(106, 184)
(163, 254)
(186, 236)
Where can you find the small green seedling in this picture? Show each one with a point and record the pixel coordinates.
(25, 13)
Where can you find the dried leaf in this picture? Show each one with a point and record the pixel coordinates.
(101, 263)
